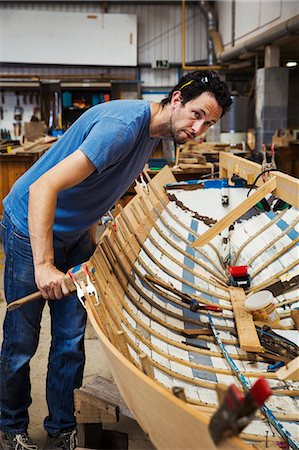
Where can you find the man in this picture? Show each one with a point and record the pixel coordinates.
(45, 229)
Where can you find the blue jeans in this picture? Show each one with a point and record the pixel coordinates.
(21, 332)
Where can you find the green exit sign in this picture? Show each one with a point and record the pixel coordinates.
(160, 64)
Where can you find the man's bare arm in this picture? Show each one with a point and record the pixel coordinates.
(42, 205)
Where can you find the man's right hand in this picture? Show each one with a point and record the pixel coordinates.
(50, 281)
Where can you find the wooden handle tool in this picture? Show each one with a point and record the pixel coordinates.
(79, 273)
(21, 301)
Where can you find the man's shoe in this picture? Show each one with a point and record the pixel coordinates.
(65, 441)
(13, 441)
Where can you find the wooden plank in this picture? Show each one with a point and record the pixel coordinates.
(146, 365)
(287, 187)
(164, 176)
(247, 335)
(290, 371)
(237, 212)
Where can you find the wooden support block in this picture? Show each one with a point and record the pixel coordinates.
(295, 317)
(237, 212)
(146, 365)
(101, 394)
(123, 345)
(250, 178)
(179, 392)
(90, 409)
(290, 371)
(247, 335)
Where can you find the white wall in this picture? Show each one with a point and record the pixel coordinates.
(253, 17)
(49, 37)
(158, 37)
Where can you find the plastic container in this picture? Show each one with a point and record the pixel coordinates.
(262, 307)
(67, 100)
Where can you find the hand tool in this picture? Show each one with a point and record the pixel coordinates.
(89, 285)
(236, 411)
(221, 423)
(18, 111)
(142, 182)
(80, 275)
(186, 298)
(80, 292)
(277, 344)
(276, 366)
(195, 344)
(195, 306)
(114, 224)
(195, 332)
(264, 409)
(283, 285)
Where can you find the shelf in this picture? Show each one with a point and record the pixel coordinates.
(73, 108)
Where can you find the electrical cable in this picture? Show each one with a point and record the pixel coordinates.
(257, 178)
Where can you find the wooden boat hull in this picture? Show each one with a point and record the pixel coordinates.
(152, 340)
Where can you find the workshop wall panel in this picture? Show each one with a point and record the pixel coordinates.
(49, 37)
(158, 27)
(252, 17)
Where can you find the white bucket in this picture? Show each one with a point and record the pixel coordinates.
(262, 307)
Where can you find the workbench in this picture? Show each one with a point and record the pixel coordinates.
(287, 158)
(15, 164)
(188, 174)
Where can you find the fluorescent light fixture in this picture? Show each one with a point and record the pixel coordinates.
(291, 63)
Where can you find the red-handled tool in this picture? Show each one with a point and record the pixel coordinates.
(195, 306)
(186, 298)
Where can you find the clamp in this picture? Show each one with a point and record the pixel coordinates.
(80, 293)
(265, 165)
(89, 285)
(273, 163)
(237, 411)
(142, 182)
(114, 224)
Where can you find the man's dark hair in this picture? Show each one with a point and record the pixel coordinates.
(193, 84)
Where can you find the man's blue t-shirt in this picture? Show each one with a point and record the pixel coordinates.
(115, 137)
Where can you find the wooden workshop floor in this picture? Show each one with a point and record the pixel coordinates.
(95, 365)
